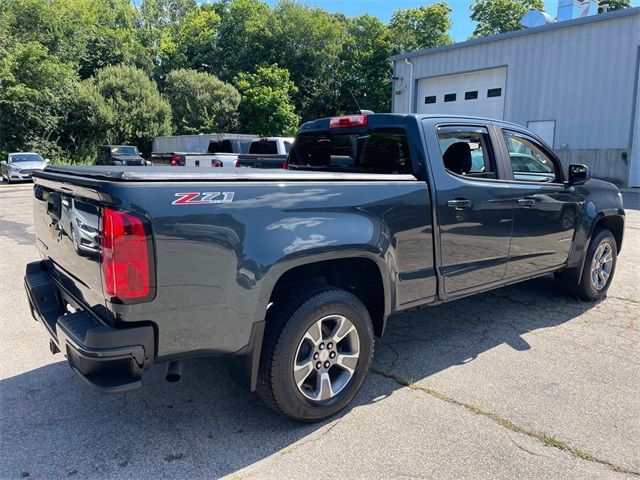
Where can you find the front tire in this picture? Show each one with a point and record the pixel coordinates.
(599, 267)
(598, 270)
(317, 350)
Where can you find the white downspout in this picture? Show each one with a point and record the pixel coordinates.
(406, 60)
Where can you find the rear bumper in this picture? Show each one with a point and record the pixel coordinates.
(109, 359)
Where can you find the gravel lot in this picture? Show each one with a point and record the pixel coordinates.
(522, 382)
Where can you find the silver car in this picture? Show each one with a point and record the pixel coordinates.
(20, 166)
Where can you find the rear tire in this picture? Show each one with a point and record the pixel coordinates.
(316, 353)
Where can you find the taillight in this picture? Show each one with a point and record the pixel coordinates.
(283, 165)
(126, 257)
(216, 163)
(175, 160)
(348, 121)
(237, 163)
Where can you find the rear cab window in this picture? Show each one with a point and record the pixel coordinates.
(370, 150)
(264, 147)
(466, 151)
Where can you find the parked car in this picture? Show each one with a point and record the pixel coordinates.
(289, 274)
(119, 155)
(20, 165)
(162, 147)
(79, 221)
(263, 153)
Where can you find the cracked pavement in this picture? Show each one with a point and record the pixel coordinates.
(521, 382)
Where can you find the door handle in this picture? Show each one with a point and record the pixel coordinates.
(459, 203)
(527, 202)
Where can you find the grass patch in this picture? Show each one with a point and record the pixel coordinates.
(546, 439)
(554, 442)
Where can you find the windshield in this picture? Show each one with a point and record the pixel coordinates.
(26, 157)
(382, 150)
(124, 150)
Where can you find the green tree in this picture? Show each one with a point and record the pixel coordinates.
(366, 68)
(308, 43)
(193, 44)
(499, 16)
(201, 103)
(134, 110)
(90, 34)
(245, 40)
(89, 118)
(614, 5)
(158, 20)
(422, 27)
(34, 89)
(266, 107)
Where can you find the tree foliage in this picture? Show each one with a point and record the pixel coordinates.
(499, 16)
(422, 27)
(34, 87)
(366, 71)
(267, 107)
(201, 103)
(133, 110)
(614, 5)
(193, 42)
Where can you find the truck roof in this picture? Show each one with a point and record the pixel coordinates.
(389, 119)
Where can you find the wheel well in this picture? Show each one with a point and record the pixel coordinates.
(359, 276)
(613, 223)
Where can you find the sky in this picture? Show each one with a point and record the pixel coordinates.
(383, 9)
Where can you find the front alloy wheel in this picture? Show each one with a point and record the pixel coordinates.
(601, 266)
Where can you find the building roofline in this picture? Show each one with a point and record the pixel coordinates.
(519, 33)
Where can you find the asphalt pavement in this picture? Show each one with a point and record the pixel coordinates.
(521, 382)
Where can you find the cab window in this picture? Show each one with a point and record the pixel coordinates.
(529, 161)
(466, 150)
(376, 150)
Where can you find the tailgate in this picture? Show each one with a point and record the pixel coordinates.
(66, 224)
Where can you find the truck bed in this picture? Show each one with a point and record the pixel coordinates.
(171, 174)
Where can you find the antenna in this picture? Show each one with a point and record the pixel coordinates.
(354, 98)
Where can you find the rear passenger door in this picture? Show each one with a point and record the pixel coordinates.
(474, 207)
(545, 210)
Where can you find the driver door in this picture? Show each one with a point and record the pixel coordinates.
(545, 210)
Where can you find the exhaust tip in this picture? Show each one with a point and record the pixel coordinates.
(174, 371)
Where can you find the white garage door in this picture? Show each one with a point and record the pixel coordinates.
(478, 93)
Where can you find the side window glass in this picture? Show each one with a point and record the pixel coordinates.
(467, 151)
(528, 161)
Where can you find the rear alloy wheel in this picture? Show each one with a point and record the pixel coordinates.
(326, 358)
(317, 350)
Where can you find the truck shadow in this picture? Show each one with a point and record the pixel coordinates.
(206, 426)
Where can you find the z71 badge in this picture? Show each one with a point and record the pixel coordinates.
(202, 198)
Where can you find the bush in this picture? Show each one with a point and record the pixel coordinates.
(201, 103)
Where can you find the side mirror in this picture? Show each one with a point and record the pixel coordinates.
(46, 160)
(578, 174)
(3, 162)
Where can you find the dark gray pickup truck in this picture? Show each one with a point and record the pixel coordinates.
(290, 274)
